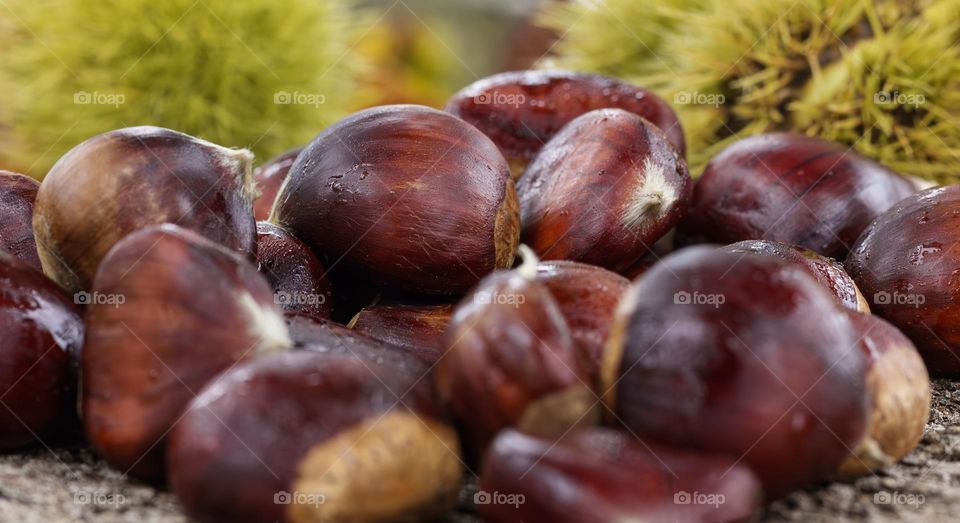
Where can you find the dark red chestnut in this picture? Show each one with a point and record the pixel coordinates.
(827, 271)
(269, 178)
(596, 474)
(325, 335)
(523, 110)
(603, 191)
(309, 437)
(41, 330)
(17, 194)
(742, 355)
(296, 275)
(121, 181)
(417, 328)
(793, 189)
(407, 196)
(169, 311)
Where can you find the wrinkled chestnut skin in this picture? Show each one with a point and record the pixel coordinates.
(124, 180)
(41, 331)
(596, 474)
(772, 374)
(906, 266)
(269, 178)
(407, 196)
(523, 110)
(793, 189)
(587, 297)
(191, 309)
(899, 390)
(827, 271)
(17, 194)
(251, 433)
(418, 328)
(603, 191)
(298, 278)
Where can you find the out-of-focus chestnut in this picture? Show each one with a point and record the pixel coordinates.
(121, 181)
(603, 191)
(899, 390)
(906, 265)
(793, 189)
(41, 330)
(743, 355)
(269, 178)
(17, 194)
(308, 437)
(523, 110)
(324, 335)
(827, 271)
(297, 276)
(408, 196)
(596, 474)
(416, 328)
(169, 311)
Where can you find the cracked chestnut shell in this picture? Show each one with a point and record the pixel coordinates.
(603, 191)
(17, 196)
(523, 110)
(792, 189)
(743, 355)
(169, 311)
(41, 331)
(406, 196)
(298, 278)
(306, 436)
(122, 181)
(269, 177)
(596, 474)
(418, 328)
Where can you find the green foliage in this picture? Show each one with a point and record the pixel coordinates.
(74, 68)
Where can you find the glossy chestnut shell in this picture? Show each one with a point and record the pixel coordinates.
(269, 178)
(298, 278)
(17, 195)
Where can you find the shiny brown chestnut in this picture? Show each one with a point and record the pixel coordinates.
(269, 177)
(407, 196)
(41, 331)
(743, 355)
(827, 271)
(899, 390)
(906, 265)
(169, 311)
(121, 181)
(596, 474)
(298, 278)
(603, 191)
(417, 328)
(325, 335)
(306, 437)
(793, 189)
(17, 195)
(523, 110)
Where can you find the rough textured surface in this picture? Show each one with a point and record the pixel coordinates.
(43, 486)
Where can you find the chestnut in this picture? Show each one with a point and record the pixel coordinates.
(598, 474)
(296, 275)
(510, 360)
(305, 436)
(269, 177)
(17, 195)
(905, 265)
(121, 181)
(523, 110)
(327, 336)
(793, 189)
(41, 331)
(407, 196)
(170, 310)
(417, 328)
(743, 355)
(603, 191)
(827, 271)
(899, 390)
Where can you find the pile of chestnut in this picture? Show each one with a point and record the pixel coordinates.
(347, 331)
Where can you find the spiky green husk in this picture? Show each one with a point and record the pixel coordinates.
(210, 68)
(812, 66)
